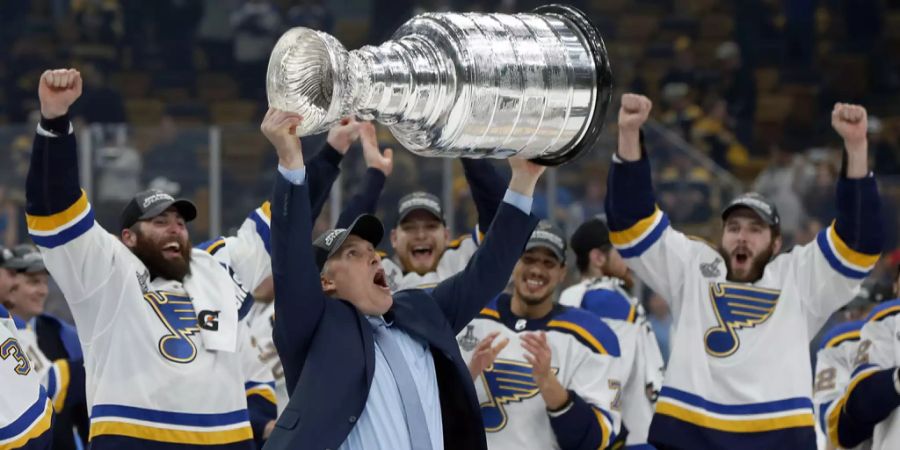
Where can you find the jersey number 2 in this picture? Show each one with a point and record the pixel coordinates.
(10, 349)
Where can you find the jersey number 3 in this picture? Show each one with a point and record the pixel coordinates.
(10, 349)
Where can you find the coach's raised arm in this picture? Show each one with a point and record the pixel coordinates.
(366, 368)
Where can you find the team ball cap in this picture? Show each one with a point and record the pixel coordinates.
(419, 201)
(153, 202)
(365, 226)
(548, 236)
(764, 208)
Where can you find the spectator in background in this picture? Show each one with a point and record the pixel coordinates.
(684, 191)
(712, 135)
(738, 87)
(776, 183)
(311, 14)
(119, 176)
(176, 25)
(887, 153)
(591, 203)
(257, 26)
(681, 112)
(660, 318)
(818, 195)
(683, 70)
(10, 216)
(99, 21)
(215, 33)
(99, 103)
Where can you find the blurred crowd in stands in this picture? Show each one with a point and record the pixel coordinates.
(742, 92)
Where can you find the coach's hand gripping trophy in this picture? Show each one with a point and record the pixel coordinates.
(457, 85)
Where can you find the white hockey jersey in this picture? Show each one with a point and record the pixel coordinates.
(606, 298)
(55, 376)
(163, 359)
(261, 319)
(835, 362)
(585, 358)
(455, 258)
(872, 384)
(26, 412)
(740, 360)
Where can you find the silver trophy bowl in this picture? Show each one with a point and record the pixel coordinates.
(466, 85)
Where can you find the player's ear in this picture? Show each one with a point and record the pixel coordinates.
(129, 238)
(394, 238)
(597, 257)
(776, 245)
(446, 235)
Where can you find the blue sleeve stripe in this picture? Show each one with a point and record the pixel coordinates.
(832, 421)
(608, 304)
(789, 404)
(67, 235)
(262, 228)
(831, 246)
(212, 246)
(823, 416)
(632, 248)
(884, 312)
(168, 417)
(57, 229)
(35, 415)
(606, 426)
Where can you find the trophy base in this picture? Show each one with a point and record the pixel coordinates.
(604, 82)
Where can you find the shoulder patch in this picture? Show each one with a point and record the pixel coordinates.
(609, 304)
(587, 329)
(884, 310)
(212, 246)
(456, 243)
(491, 311)
(848, 331)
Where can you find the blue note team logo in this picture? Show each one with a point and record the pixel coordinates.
(506, 382)
(177, 314)
(736, 306)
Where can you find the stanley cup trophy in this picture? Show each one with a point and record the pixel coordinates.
(470, 85)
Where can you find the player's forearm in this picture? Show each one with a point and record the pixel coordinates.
(488, 188)
(580, 426)
(52, 183)
(858, 222)
(322, 171)
(629, 197)
(629, 144)
(365, 201)
(857, 159)
(554, 394)
(874, 397)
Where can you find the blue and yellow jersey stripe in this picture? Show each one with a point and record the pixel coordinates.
(606, 426)
(60, 228)
(742, 418)
(833, 419)
(58, 380)
(31, 425)
(170, 427)
(636, 239)
(588, 329)
(884, 310)
(265, 390)
(262, 218)
(842, 258)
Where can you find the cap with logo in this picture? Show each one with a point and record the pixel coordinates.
(365, 226)
(153, 202)
(25, 259)
(764, 208)
(419, 201)
(548, 236)
(593, 233)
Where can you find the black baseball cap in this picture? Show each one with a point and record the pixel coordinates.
(153, 202)
(419, 200)
(365, 226)
(593, 233)
(548, 236)
(26, 259)
(764, 208)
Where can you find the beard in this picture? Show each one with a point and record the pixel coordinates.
(532, 299)
(150, 253)
(757, 264)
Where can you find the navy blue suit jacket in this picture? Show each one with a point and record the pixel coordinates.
(327, 347)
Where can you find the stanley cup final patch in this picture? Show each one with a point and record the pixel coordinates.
(468, 341)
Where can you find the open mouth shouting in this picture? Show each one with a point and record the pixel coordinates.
(380, 280)
(741, 258)
(171, 250)
(535, 283)
(422, 253)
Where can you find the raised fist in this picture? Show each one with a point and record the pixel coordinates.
(368, 136)
(634, 112)
(342, 135)
(850, 122)
(57, 90)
